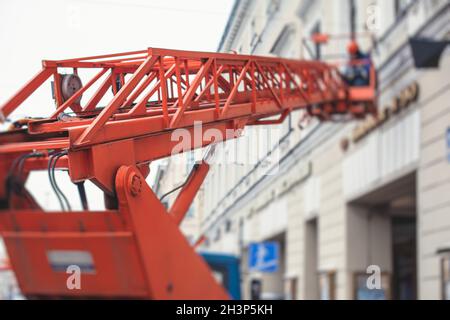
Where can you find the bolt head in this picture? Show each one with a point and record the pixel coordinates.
(135, 184)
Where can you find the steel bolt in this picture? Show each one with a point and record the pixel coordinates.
(135, 185)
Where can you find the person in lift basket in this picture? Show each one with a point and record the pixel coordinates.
(357, 73)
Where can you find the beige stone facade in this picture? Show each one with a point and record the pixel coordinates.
(335, 212)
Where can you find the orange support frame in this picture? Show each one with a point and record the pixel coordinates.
(135, 249)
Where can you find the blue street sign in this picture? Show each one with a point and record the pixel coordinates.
(264, 256)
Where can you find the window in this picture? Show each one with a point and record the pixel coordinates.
(291, 288)
(190, 213)
(401, 6)
(228, 226)
(327, 285)
(273, 7)
(304, 8)
(287, 125)
(217, 235)
(190, 161)
(253, 33)
(362, 292)
(317, 49)
(283, 41)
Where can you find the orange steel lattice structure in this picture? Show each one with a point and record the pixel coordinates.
(135, 249)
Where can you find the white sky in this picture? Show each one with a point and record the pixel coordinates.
(31, 31)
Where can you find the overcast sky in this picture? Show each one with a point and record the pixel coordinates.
(31, 31)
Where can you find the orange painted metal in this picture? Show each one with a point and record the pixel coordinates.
(135, 248)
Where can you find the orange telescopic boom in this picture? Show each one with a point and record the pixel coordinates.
(135, 249)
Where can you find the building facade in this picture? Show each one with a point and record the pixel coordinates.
(342, 200)
(170, 174)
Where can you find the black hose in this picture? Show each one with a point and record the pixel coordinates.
(182, 185)
(63, 201)
(14, 182)
(52, 183)
(82, 193)
(63, 196)
(171, 191)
